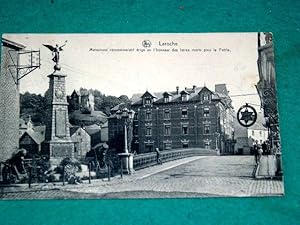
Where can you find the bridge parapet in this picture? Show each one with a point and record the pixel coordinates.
(149, 159)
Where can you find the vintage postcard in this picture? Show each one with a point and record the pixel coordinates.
(139, 116)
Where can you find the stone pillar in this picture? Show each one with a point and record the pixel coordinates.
(58, 144)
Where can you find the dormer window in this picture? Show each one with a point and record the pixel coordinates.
(148, 101)
(206, 97)
(148, 98)
(205, 94)
(167, 97)
(184, 96)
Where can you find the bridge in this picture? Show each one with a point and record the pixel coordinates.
(149, 159)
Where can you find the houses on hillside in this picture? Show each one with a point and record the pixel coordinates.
(82, 109)
(85, 138)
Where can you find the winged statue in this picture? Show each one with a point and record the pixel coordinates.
(55, 51)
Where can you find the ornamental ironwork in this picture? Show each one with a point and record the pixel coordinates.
(246, 115)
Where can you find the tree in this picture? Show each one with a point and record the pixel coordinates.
(33, 105)
(124, 98)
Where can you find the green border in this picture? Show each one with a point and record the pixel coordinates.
(137, 16)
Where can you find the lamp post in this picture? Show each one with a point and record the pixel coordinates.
(126, 157)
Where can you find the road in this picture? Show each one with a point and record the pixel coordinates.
(191, 177)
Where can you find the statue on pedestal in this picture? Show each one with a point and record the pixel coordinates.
(55, 51)
(58, 144)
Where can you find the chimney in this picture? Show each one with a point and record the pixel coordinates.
(177, 90)
(194, 87)
(185, 88)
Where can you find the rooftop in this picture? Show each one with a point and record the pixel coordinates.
(176, 95)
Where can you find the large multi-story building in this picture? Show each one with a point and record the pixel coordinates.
(193, 117)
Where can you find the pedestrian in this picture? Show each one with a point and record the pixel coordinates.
(268, 147)
(255, 148)
(264, 148)
(158, 156)
(260, 152)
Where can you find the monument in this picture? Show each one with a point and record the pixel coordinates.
(58, 144)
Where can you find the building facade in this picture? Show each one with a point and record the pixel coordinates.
(191, 118)
(246, 136)
(84, 101)
(9, 99)
(266, 86)
(31, 137)
(32, 141)
(82, 141)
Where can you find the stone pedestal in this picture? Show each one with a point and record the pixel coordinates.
(58, 144)
(127, 162)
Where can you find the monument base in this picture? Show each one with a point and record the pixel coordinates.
(59, 150)
(127, 162)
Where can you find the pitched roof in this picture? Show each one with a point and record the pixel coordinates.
(167, 93)
(37, 137)
(149, 93)
(40, 129)
(184, 92)
(136, 99)
(122, 105)
(94, 116)
(12, 44)
(92, 129)
(75, 92)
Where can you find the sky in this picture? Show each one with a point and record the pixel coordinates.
(118, 64)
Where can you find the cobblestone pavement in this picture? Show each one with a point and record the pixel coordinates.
(190, 177)
(267, 166)
(208, 176)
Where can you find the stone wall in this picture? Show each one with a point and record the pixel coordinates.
(9, 105)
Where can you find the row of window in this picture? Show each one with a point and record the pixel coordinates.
(167, 130)
(184, 114)
(168, 98)
(168, 146)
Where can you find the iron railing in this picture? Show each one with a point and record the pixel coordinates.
(149, 159)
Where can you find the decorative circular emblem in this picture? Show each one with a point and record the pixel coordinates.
(246, 115)
(146, 43)
(59, 94)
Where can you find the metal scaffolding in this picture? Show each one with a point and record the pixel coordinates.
(23, 68)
